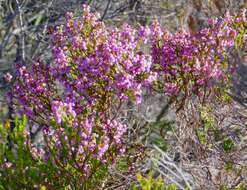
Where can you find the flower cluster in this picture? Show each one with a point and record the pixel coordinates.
(34, 91)
(99, 65)
(195, 63)
(83, 142)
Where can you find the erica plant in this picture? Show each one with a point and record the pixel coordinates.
(193, 65)
(77, 97)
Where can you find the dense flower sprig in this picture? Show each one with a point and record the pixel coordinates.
(35, 89)
(195, 63)
(96, 63)
(84, 146)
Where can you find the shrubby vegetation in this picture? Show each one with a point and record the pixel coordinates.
(79, 98)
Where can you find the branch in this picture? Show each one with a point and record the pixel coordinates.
(22, 31)
(106, 9)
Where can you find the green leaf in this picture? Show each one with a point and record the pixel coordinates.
(16, 121)
(241, 186)
(228, 144)
(2, 132)
(24, 120)
(171, 186)
(201, 134)
(42, 187)
(138, 177)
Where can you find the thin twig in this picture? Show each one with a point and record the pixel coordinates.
(106, 9)
(22, 31)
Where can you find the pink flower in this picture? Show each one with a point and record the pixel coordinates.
(8, 77)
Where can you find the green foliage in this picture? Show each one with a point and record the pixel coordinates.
(241, 186)
(149, 183)
(207, 118)
(202, 136)
(18, 169)
(208, 123)
(171, 186)
(228, 144)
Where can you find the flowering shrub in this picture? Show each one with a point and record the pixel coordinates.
(94, 71)
(190, 64)
(75, 99)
